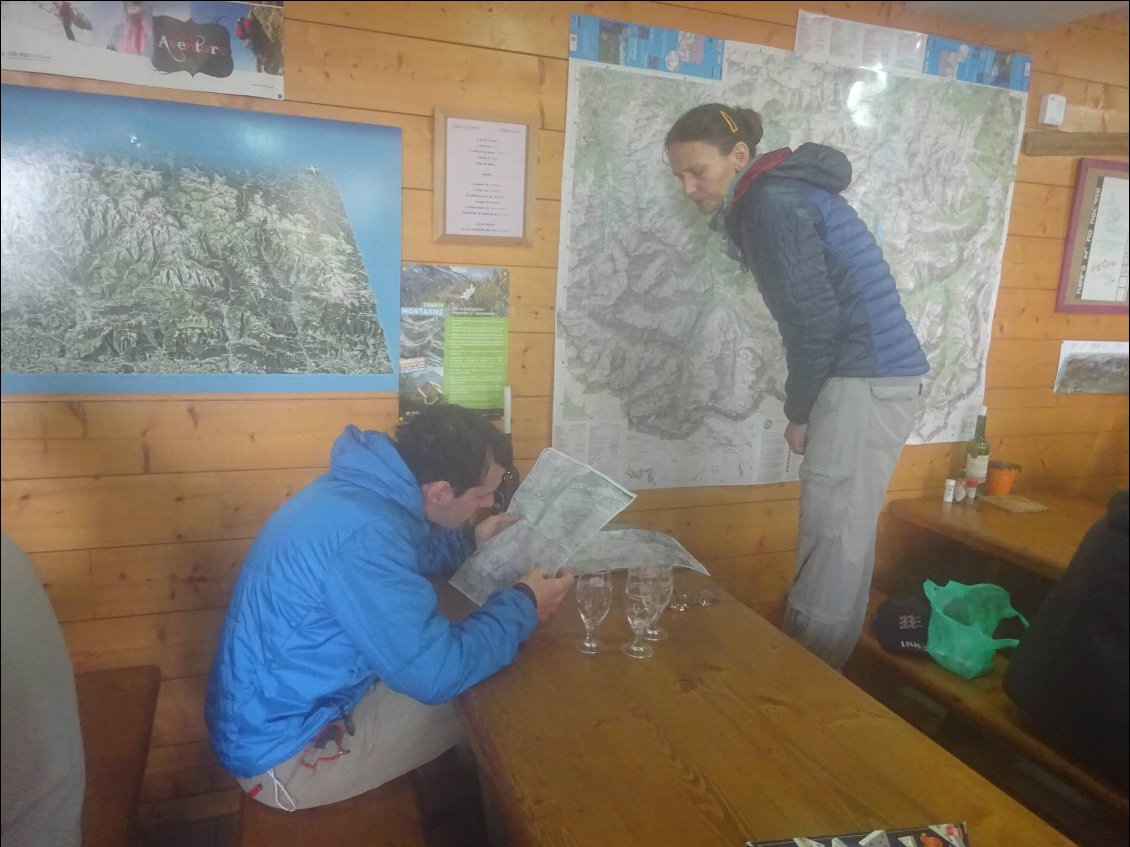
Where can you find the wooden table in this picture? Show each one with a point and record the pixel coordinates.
(1042, 542)
(730, 732)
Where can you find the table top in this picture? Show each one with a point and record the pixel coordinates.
(1043, 542)
(730, 732)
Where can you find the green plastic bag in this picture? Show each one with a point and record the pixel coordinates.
(963, 619)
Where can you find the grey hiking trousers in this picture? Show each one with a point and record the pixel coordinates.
(855, 435)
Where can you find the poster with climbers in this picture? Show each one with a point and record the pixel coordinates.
(223, 47)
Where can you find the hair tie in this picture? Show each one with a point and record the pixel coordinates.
(729, 122)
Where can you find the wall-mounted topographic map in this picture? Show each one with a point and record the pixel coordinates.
(669, 369)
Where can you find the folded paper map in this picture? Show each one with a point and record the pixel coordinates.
(618, 549)
(562, 504)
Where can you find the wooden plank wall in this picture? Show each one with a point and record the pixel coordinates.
(137, 510)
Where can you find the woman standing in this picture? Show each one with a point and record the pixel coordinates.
(854, 362)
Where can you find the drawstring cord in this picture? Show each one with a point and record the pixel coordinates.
(280, 787)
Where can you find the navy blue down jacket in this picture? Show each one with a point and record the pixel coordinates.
(332, 597)
(821, 273)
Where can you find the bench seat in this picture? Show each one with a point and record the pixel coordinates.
(983, 702)
(436, 805)
(115, 709)
(387, 816)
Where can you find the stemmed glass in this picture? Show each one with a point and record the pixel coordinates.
(667, 588)
(643, 592)
(594, 599)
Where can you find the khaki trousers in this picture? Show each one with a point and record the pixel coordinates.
(855, 435)
(393, 734)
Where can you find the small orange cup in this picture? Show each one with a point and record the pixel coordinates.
(1000, 477)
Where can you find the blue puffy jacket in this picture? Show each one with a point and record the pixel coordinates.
(821, 273)
(334, 596)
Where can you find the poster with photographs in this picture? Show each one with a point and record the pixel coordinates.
(228, 48)
(454, 343)
(1093, 367)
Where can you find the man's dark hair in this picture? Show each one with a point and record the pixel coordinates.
(452, 444)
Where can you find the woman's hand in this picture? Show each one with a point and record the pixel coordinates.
(796, 436)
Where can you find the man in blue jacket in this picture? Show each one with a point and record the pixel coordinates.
(334, 673)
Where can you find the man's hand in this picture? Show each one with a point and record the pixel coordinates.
(796, 436)
(488, 528)
(549, 590)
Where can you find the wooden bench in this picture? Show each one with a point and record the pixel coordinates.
(387, 816)
(983, 702)
(115, 709)
(433, 806)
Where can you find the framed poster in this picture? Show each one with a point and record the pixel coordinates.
(1094, 273)
(152, 246)
(484, 186)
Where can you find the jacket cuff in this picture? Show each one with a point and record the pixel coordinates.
(526, 590)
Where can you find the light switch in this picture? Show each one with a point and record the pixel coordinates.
(1052, 109)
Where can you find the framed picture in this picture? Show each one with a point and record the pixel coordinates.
(1094, 273)
(484, 186)
(194, 262)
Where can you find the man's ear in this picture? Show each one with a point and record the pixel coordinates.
(436, 493)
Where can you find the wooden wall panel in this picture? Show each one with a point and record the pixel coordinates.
(138, 510)
(180, 712)
(164, 577)
(209, 417)
(373, 70)
(758, 581)
(181, 643)
(722, 531)
(1032, 262)
(1082, 52)
(1042, 398)
(67, 577)
(678, 498)
(1039, 210)
(250, 442)
(541, 29)
(533, 299)
(117, 511)
(508, 27)
(1024, 313)
(417, 244)
(1046, 170)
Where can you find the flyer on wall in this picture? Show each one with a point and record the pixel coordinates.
(453, 337)
(223, 47)
(645, 47)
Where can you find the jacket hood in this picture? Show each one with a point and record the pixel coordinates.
(370, 459)
(824, 167)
